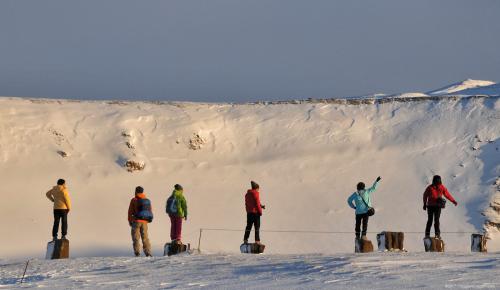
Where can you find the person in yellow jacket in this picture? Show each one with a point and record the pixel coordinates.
(62, 205)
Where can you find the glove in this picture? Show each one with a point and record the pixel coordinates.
(455, 203)
(425, 207)
(379, 178)
(185, 218)
(130, 223)
(263, 206)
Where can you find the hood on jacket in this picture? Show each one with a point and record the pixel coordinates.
(177, 193)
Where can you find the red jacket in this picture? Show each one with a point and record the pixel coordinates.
(133, 208)
(432, 193)
(252, 202)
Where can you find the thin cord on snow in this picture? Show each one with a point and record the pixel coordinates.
(319, 232)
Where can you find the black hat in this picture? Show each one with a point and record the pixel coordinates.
(254, 185)
(61, 182)
(360, 186)
(139, 189)
(436, 180)
(178, 187)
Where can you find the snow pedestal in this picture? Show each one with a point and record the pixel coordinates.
(362, 246)
(252, 248)
(478, 243)
(175, 248)
(58, 249)
(390, 241)
(433, 244)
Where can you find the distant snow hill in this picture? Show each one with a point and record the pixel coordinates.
(467, 87)
(307, 157)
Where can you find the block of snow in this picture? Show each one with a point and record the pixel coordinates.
(478, 243)
(362, 246)
(433, 244)
(252, 248)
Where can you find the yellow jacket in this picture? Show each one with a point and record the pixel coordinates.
(60, 197)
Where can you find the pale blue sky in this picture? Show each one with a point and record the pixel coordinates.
(231, 50)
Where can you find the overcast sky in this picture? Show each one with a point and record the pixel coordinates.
(232, 50)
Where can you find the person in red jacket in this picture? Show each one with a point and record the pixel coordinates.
(432, 195)
(254, 211)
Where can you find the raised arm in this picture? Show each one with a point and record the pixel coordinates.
(374, 186)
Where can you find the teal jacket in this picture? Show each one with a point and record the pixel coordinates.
(182, 210)
(359, 205)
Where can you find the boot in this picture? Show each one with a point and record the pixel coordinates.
(63, 238)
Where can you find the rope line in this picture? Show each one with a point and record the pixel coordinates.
(321, 232)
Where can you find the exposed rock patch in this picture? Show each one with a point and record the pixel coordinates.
(196, 142)
(132, 165)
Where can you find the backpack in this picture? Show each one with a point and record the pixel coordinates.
(171, 207)
(144, 210)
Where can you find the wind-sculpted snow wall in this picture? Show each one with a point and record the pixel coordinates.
(307, 157)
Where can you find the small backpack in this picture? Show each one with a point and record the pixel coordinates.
(144, 210)
(171, 207)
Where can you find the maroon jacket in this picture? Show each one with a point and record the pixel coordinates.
(252, 202)
(433, 192)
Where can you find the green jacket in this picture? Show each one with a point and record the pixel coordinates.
(182, 210)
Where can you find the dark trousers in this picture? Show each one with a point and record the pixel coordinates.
(60, 214)
(361, 218)
(252, 219)
(433, 212)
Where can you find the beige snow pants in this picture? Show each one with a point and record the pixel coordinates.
(140, 231)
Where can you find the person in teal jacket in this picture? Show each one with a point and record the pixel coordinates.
(361, 201)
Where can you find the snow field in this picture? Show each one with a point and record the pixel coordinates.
(317, 271)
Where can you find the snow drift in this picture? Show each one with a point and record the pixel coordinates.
(307, 158)
(458, 88)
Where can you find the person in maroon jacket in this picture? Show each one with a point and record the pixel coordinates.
(254, 211)
(433, 193)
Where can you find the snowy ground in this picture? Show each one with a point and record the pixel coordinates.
(235, 271)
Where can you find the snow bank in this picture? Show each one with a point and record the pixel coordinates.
(307, 157)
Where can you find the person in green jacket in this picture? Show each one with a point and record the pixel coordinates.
(176, 210)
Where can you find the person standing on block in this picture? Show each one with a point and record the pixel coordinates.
(254, 212)
(62, 205)
(361, 201)
(433, 202)
(176, 210)
(140, 213)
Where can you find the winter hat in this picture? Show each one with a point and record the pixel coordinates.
(178, 187)
(360, 186)
(254, 185)
(436, 180)
(61, 182)
(139, 189)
